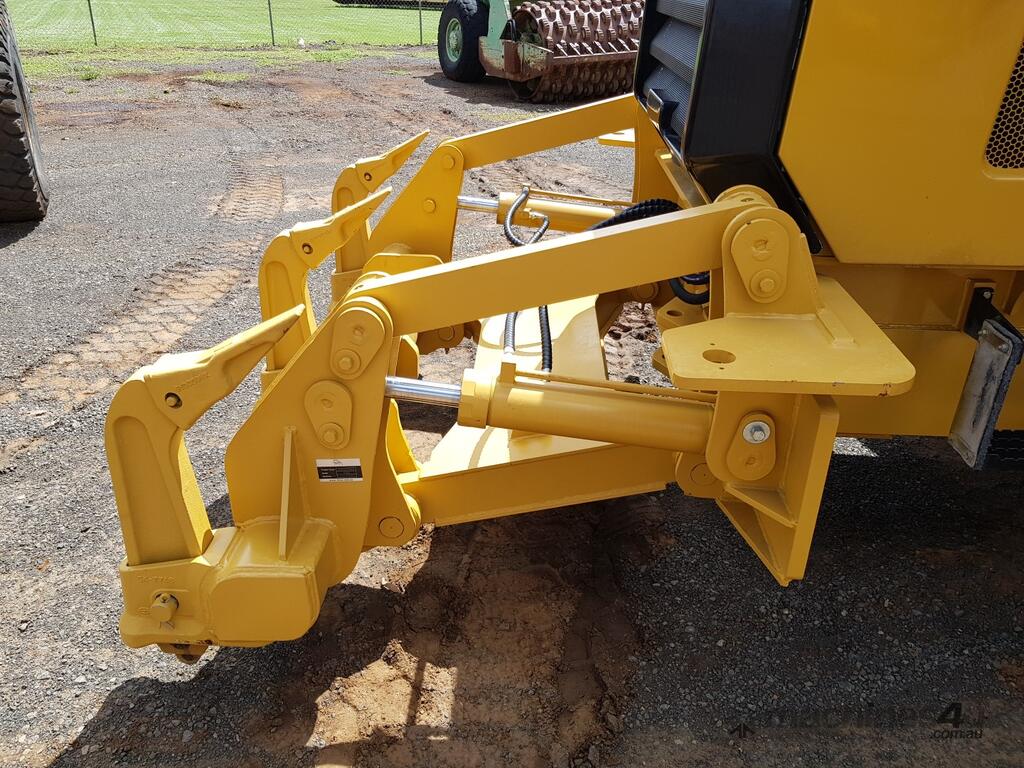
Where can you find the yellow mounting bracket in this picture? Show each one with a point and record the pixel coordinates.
(786, 341)
(784, 329)
(286, 266)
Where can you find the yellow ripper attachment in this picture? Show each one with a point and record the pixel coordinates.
(320, 471)
(166, 529)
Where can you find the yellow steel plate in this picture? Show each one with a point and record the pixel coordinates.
(845, 353)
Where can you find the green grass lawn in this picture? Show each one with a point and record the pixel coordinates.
(64, 24)
(233, 64)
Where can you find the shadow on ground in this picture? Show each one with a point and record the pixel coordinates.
(12, 233)
(499, 643)
(902, 644)
(515, 641)
(256, 705)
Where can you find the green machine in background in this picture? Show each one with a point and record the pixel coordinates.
(548, 50)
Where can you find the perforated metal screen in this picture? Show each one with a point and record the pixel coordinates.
(1005, 147)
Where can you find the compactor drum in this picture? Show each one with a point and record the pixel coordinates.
(548, 50)
(829, 241)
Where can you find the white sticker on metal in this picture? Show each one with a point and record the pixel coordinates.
(339, 470)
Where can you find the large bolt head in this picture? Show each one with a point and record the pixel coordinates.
(346, 362)
(765, 283)
(756, 432)
(760, 239)
(332, 434)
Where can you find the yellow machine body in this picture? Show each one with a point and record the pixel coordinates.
(865, 337)
(891, 113)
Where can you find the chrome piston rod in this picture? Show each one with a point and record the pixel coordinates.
(417, 391)
(478, 204)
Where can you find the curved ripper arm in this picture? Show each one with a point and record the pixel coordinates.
(364, 176)
(358, 181)
(162, 513)
(286, 265)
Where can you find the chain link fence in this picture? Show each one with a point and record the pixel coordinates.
(75, 24)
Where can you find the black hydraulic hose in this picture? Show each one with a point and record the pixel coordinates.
(643, 210)
(696, 299)
(699, 278)
(658, 207)
(546, 356)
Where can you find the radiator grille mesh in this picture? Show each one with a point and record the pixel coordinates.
(1005, 147)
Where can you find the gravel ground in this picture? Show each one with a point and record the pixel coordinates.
(634, 632)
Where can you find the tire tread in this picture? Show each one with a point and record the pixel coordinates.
(23, 191)
(473, 16)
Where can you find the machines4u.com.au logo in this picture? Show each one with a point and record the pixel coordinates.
(952, 724)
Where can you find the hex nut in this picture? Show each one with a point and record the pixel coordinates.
(332, 434)
(756, 432)
(346, 361)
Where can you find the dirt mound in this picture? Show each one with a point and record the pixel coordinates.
(506, 648)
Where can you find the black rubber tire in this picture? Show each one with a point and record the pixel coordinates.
(473, 18)
(24, 191)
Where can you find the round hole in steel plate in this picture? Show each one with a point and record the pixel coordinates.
(719, 356)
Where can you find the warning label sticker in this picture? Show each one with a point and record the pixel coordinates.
(339, 470)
